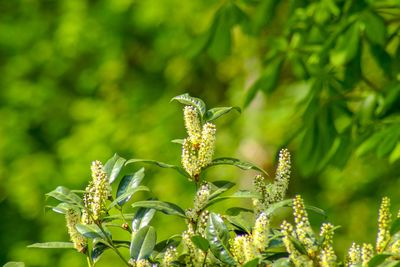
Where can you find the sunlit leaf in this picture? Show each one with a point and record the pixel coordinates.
(143, 243)
(159, 164)
(215, 113)
(113, 167)
(126, 195)
(186, 99)
(142, 218)
(200, 242)
(52, 245)
(164, 207)
(236, 162)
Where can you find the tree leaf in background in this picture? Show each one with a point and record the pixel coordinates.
(143, 242)
(129, 181)
(142, 218)
(347, 46)
(164, 207)
(218, 237)
(244, 165)
(113, 167)
(52, 245)
(159, 164)
(374, 28)
(215, 113)
(186, 99)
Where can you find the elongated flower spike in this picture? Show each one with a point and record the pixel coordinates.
(207, 144)
(353, 255)
(327, 254)
(367, 251)
(189, 159)
(72, 218)
(260, 232)
(384, 222)
(192, 124)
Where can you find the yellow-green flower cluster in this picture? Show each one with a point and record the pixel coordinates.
(140, 263)
(96, 194)
(72, 217)
(354, 255)
(327, 254)
(367, 251)
(260, 232)
(202, 223)
(276, 191)
(169, 256)
(195, 255)
(198, 148)
(303, 229)
(243, 249)
(384, 222)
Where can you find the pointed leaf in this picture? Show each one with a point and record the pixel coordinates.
(113, 167)
(164, 207)
(160, 164)
(178, 141)
(127, 195)
(63, 194)
(272, 208)
(143, 242)
(173, 241)
(200, 242)
(98, 250)
(395, 226)
(62, 207)
(129, 181)
(378, 259)
(222, 186)
(91, 231)
(252, 263)
(218, 237)
(52, 245)
(238, 194)
(215, 113)
(186, 99)
(142, 218)
(244, 165)
(14, 264)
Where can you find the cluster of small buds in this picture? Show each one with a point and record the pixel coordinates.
(395, 247)
(192, 124)
(194, 254)
(260, 232)
(140, 263)
(295, 256)
(327, 232)
(384, 222)
(327, 257)
(198, 148)
(327, 254)
(169, 256)
(367, 251)
(72, 218)
(243, 249)
(354, 255)
(282, 175)
(202, 196)
(96, 194)
(202, 223)
(303, 229)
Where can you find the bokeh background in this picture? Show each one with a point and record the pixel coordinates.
(82, 79)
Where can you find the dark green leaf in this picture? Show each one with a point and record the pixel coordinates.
(236, 162)
(395, 226)
(164, 207)
(98, 250)
(268, 80)
(113, 167)
(316, 210)
(221, 186)
(143, 243)
(64, 194)
(52, 245)
(186, 99)
(218, 237)
(388, 143)
(173, 241)
(272, 208)
(126, 195)
(241, 223)
(378, 259)
(159, 164)
(91, 231)
(252, 263)
(220, 43)
(14, 264)
(215, 113)
(178, 141)
(239, 194)
(347, 46)
(200, 242)
(250, 95)
(374, 28)
(127, 182)
(142, 218)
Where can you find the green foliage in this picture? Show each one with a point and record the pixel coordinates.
(211, 238)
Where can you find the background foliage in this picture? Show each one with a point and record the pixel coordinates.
(83, 79)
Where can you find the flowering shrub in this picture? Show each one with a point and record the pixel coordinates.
(210, 239)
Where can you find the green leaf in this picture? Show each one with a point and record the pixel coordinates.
(250, 95)
(283, 262)
(238, 194)
(63, 194)
(215, 113)
(374, 28)
(272, 208)
(164, 207)
(14, 264)
(91, 231)
(240, 222)
(98, 250)
(347, 46)
(234, 211)
(220, 42)
(113, 167)
(142, 218)
(62, 207)
(186, 99)
(143, 242)
(388, 143)
(316, 210)
(160, 164)
(200, 242)
(269, 78)
(251, 263)
(236, 162)
(395, 226)
(126, 195)
(129, 181)
(178, 141)
(378, 259)
(52, 245)
(221, 186)
(173, 241)
(218, 237)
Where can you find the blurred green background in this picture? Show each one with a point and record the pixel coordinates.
(83, 79)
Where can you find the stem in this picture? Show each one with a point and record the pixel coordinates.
(205, 258)
(89, 260)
